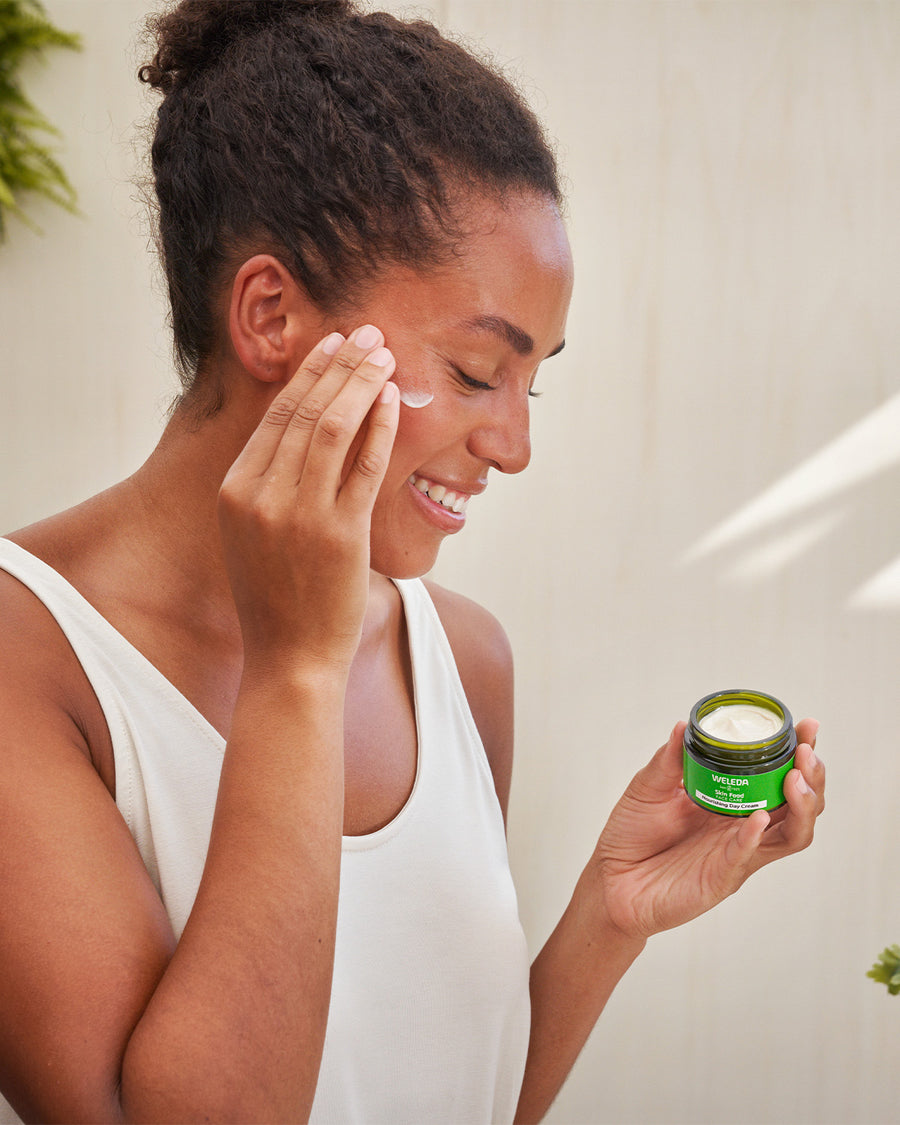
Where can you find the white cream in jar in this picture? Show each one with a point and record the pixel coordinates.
(738, 748)
(741, 722)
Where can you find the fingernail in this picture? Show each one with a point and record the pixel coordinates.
(367, 336)
(801, 783)
(332, 344)
(381, 357)
(388, 393)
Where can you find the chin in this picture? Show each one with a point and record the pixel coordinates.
(400, 563)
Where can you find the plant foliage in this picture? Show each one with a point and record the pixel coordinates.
(26, 164)
(886, 969)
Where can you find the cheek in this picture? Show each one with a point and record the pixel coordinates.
(417, 436)
(426, 437)
(416, 384)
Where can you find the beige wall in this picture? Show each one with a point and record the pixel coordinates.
(712, 499)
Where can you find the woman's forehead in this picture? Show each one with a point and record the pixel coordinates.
(510, 278)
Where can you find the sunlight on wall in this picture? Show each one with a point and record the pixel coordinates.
(867, 449)
(767, 560)
(882, 591)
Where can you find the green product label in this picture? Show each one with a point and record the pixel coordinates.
(734, 794)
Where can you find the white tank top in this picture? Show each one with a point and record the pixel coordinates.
(429, 1016)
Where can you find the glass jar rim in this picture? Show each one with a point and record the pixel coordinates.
(735, 697)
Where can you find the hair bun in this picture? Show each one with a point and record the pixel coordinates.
(195, 32)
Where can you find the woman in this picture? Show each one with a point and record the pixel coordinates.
(255, 773)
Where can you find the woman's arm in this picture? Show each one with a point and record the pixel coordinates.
(659, 862)
(102, 1016)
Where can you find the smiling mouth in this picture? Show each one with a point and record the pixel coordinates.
(453, 501)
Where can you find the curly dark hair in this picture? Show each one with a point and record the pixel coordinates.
(335, 139)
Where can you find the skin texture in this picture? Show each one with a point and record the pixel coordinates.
(247, 561)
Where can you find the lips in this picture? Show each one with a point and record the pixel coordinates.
(455, 502)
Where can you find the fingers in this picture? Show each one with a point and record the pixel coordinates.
(807, 729)
(804, 787)
(806, 782)
(812, 769)
(324, 425)
(747, 837)
(256, 456)
(368, 467)
(804, 792)
(795, 830)
(316, 405)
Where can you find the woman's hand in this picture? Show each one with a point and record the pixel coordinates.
(662, 860)
(295, 508)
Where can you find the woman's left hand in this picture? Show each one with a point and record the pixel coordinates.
(662, 860)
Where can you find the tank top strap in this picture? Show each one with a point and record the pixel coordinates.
(76, 617)
(110, 661)
(167, 756)
(439, 671)
(441, 703)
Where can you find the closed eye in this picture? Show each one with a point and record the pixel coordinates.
(479, 385)
(472, 384)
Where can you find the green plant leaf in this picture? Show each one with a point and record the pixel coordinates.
(886, 969)
(7, 199)
(26, 164)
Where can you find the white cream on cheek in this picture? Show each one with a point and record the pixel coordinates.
(415, 399)
(741, 722)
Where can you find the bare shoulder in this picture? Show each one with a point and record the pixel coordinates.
(477, 638)
(483, 656)
(36, 661)
(41, 679)
(72, 880)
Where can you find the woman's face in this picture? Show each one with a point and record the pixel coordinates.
(472, 335)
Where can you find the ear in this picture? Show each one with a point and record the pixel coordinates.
(268, 316)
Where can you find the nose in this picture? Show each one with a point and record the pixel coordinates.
(502, 436)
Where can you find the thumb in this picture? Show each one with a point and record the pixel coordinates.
(663, 772)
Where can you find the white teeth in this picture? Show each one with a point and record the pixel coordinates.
(452, 501)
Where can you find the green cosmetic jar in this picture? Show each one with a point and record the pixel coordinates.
(738, 748)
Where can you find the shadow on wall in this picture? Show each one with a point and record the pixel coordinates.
(823, 498)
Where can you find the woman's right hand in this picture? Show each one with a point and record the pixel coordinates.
(295, 508)
(662, 860)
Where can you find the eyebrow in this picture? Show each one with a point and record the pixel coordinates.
(516, 337)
